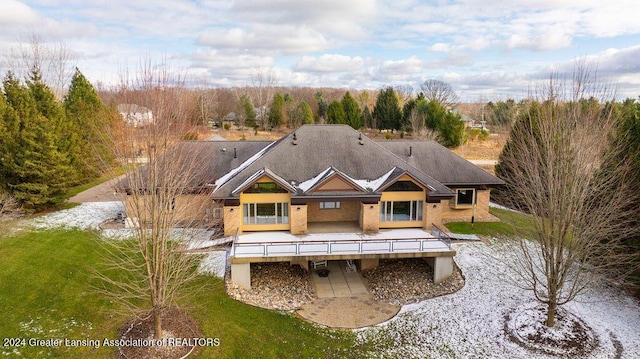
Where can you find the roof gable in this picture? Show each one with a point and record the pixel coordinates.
(335, 180)
(258, 176)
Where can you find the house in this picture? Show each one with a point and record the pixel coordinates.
(135, 115)
(327, 192)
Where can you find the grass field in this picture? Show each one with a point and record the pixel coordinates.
(47, 286)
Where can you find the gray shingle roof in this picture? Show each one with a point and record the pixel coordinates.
(318, 147)
(442, 164)
(217, 158)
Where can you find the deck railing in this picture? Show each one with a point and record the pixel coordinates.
(338, 247)
(441, 235)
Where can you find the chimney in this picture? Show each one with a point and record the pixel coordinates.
(410, 150)
(235, 153)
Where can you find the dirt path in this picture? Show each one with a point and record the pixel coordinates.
(104, 192)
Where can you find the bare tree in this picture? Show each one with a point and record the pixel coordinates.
(55, 62)
(9, 209)
(553, 167)
(165, 199)
(441, 92)
(264, 83)
(419, 129)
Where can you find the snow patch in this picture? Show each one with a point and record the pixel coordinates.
(214, 263)
(471, 322)
(85, 216)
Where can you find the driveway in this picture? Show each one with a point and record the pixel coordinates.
(104, 192)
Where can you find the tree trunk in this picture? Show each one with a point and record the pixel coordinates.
(551, 314)
(157, 323)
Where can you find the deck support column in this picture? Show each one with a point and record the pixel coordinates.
(442, 268)
(241, 274)
(369, 263)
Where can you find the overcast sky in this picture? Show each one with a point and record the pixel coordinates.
(486, 49)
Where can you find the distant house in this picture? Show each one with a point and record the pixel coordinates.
(470, 122)
(135, 115)
(326, 192)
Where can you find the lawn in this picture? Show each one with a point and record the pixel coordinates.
(47, 283)
(511, 224)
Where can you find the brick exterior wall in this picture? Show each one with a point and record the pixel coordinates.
(348, 211)
(369, 217)
(232, 220)
(298, 219)
(459, 215)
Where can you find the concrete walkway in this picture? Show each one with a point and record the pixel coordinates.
(343, 301)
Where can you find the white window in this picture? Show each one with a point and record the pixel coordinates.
(329, 205)
(400, 211)
(265, 213)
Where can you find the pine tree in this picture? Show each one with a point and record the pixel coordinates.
(306, 113)
(87, 119)
(39, 173)
(386, 111)
(335, 113)
(276, 114)
(351, 111)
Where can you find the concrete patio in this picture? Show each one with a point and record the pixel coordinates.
(343, 301)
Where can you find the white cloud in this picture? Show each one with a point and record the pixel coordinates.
(16, 13)
(261, 39)
(329, 63)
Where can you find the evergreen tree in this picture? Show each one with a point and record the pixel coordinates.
(39, 173)
(386, 111)
(306, 113)
(367, 119)
(449, 126)
(276, 114)
(87, 119)
(351, 111)
(335, 113)
(323, 106)
(249, 111)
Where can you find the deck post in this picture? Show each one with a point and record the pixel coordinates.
(442, 268)
(241, 274)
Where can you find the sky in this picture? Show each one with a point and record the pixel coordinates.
(487, 50)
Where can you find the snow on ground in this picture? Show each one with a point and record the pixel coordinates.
(471, 322)
(214, 263)
(85, 216)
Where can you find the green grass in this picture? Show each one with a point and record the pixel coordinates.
(47, 291)
(511, 223)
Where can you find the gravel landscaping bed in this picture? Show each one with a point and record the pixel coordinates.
(279, 286)
(405, 281)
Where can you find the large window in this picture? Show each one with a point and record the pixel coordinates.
(265, 187)
(329, 205)
(465, 197)
(403, 186)
(265, 213)
(400, 211)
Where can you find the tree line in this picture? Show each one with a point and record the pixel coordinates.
(47, 145)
